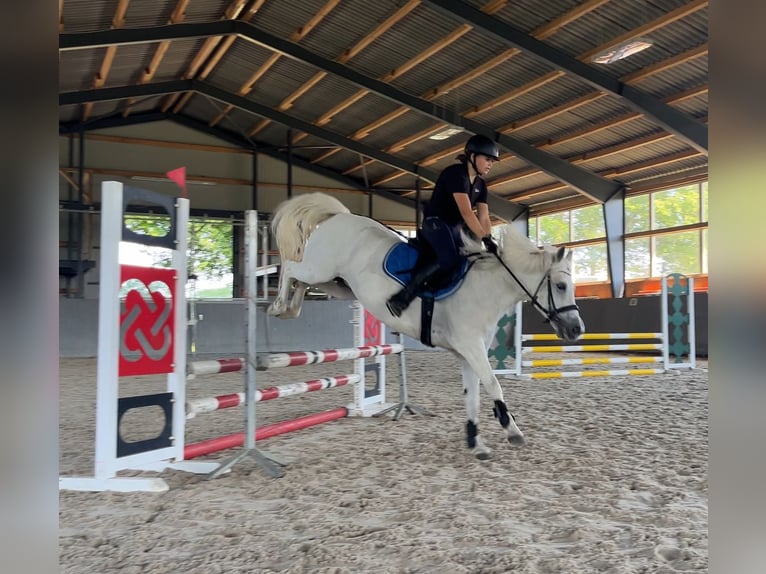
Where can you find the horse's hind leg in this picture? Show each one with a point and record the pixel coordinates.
(476, 357)
(471, 396)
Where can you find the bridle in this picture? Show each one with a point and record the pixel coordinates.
(552, 313)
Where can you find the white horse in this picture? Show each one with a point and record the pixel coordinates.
(322, 244)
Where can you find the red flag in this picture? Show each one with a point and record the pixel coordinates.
(178, 176)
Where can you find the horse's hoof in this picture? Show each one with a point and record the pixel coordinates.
(517, 440)
(274, 311)
(483, 455)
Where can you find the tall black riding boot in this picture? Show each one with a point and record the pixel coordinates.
(399, 302)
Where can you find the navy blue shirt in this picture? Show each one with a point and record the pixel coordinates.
(454, 179)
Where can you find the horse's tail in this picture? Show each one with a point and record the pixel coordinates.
(296, 218)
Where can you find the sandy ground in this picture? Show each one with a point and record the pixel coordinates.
(613, 479)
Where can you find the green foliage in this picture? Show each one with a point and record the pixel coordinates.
(210, 246)
(677, 253)
(217, 293)
(674, 207)
(637, 213)
(637, 258)
(588, 223)
(590, 263)
(553, 228)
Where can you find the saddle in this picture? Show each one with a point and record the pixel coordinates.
(403, 260)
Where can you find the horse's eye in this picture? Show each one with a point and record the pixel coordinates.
(561, 286)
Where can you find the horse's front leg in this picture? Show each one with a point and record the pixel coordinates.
(278, 306)
(296, 301)
(478, 361)
(471, 396)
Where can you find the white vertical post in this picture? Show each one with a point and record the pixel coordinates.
(108, 331)
(264, 260)
(359, 364)
(665, 326)
(251, 263)
(517, 342)
(176, 382)
(380, 362)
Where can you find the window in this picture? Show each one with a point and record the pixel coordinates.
(704, 208)
(588, 223)
(638, 261)
(674, 207)
(648, 255)
(637, 213)
(677, 253)
(554, 228)
(209, 254)
(532, 224)
(590, 263)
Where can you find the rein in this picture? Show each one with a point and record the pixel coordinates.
(552, 312)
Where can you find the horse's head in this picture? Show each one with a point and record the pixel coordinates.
(559, 306)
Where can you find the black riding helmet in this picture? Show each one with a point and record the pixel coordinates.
(483, 145)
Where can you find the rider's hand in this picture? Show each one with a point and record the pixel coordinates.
(489, 243)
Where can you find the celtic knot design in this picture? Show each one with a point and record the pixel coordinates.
(146, 303)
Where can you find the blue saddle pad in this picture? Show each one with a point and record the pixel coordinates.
(400, 260)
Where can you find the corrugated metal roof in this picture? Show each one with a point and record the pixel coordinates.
(350, 22)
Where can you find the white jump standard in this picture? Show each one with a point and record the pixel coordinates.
(144, 340)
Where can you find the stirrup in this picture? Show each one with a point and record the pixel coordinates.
(397, 304)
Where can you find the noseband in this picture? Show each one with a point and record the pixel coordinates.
(552, 313)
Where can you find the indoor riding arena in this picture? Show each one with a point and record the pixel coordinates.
(224, 407)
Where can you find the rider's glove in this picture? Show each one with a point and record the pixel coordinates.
(490, 244)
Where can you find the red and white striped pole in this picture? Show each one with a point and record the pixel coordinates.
(211, 404)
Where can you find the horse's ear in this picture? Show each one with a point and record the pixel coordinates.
(560, 253)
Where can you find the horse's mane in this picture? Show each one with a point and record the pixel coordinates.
(515, 248)
(296, 218)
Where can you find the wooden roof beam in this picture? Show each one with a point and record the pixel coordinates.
(118, 21)
(682, 58)
(296, 37)
(178, 15)
(247, 87)
(508, 96)
(232, 12)
(541, 32)
(306, 29)
(547, 30)
(615, 172)
(399, 71)
(649, 27)
(382, 28)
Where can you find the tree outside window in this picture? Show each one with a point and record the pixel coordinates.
(674, 207)
(209, 254)
(637, 258)
(588, 223)
(553, 228)
(590, 263)
(677, 253)
(637, 214)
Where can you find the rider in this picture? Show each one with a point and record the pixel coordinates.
(459, 189)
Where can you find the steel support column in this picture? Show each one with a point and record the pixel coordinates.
(614, 222)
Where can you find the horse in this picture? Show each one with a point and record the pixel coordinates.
(323, 245)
